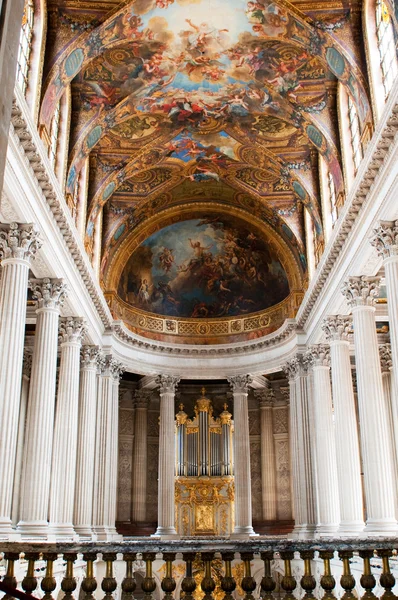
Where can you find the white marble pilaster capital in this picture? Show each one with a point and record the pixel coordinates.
(265, 397)
(240, 383)
(318, 356)
(361, 291)
(295, 367)
(19, 240)
(27, 363)
(385, 239)
(385, 357)
(167, 383)
(49, 293)
(110, 367)
(142, 398)
(337, 328)
(89, 357)
(71, 330)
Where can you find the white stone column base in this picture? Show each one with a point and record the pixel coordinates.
(381, 527)
(84, 531)
(62, 531)
(242, 531)
(33, 529)
(302, 532)
(327, 530)
(107, 534)
(352, 528)
(166, 533)
(7, 532)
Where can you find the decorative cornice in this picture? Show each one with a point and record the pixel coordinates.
(265, 397)
(49, 293)
(385, 357)
(318, 356)
(71, 330)
(89, 357)
(385, 238)
(18, 240)
(167, 383)
(337, 327)
(361, 291)
(240, 383)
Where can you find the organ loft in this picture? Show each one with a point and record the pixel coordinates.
(204, 483)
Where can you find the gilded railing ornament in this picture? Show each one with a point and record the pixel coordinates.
(361, 291)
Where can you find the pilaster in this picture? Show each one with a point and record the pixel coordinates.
(140, 456)
(266, 399)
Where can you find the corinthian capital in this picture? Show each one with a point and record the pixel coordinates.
(89, 357)
(385, 357)
(49, 293)
(142, 398)
(385, 238)
(71, 330)
(240, 383)
(361, 291)
(337, 327)
(318, 356)
(295, 367)
(117, 369)
(265, 397)
(19, 240)
(167, 383)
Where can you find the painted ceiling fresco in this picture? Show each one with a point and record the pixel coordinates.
(177, 102)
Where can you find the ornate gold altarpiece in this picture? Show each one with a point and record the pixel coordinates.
(204, 483)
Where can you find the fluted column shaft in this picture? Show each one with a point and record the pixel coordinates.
(167, 459)
(63, 475)
(84, 491)
(17, 244)
(243, 499)
(377, 460)
(140, 457)
(325, 447)
(105, 488)
(345, 426)
(40, 417)
(268, 469)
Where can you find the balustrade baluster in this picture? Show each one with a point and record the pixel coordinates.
(69, 583)
(48, 583)
(168, 584)
(29, 582)
(308, 582)
(208, 583)
(148, 584)
(248, 584)
(347, 580)
(268, 584)
(387, 579)
(328, 582)
(128, 584)
(9, 578)
(228, 583)
(368, 581)
(288, 583)
(188, 584)
(109, 584)
(89, 583)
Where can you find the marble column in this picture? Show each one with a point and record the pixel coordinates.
(377, 461)
(336, 329)
(84, 489)
(50, 294)
(105, 482)
(303, 468)
(18, 243)
(140, 457)
(325, 446)
(167, 460)
(387, 375)
(63, 473)
(243, 501)
(266, 399)
(385, 240)
(26, 373)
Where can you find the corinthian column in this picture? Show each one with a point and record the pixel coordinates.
(377, 460)
(387, 375)
(167, 460)
(63, 475)
(325, 447)
(304, 503)
(266, 399)
(84, 492)
(35, 487)
(345, 426)
(243, 497)
(17, 244)
(105, 485)
(140, 456)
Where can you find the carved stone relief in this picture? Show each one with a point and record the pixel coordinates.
(282, 459)
(255, 467)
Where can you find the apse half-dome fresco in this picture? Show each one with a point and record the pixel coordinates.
(204, 268)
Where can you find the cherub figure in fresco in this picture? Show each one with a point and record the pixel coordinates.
(201, 36)
(123, 26)
(164, 3)
(198, 249)
(166, 259)
(143, 292)
(268, 19)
